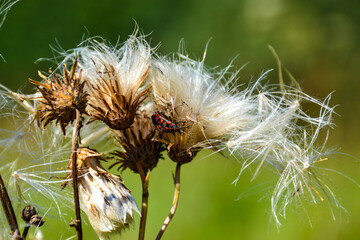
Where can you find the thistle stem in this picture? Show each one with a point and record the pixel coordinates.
(26, 230)
(144, 207)
(145, 199)
(9, 211)
(175, 202)
(75, 145)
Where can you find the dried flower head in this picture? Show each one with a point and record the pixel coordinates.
(106, 201)
(115, 77)
(61, 96)
(138, 144)
(193, 102)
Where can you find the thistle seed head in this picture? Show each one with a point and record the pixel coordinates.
(111, 104)
(179, 134)
(61, 96)
(191, 101)
(115, 77)
(138, 144)
(106, 201)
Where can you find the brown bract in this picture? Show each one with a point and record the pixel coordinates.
(180, 152)
(138, 145)
(106, 201)
(88, 159)
(181, 145)
(112, 103)
(61, 96)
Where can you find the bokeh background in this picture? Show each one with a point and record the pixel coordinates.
(318, 41)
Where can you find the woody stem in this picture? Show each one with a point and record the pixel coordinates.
(9, 211)
(175, 202)
(75, 146)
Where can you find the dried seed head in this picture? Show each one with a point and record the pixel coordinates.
(112, 105)
(179, 134)
(182, 153)
(188, 100)
(138, 144)
(106, 201)
(27, 213)
(61, 96)
(115, 78)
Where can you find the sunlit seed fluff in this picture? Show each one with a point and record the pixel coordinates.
(284, 136)
(296, 157)
(138, 143)
(258, 124)
(299, 179)
(279, 122)
(115, 78)
(106, 201)
(61, 96)
(189, 95)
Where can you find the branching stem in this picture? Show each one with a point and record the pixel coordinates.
(75, 146)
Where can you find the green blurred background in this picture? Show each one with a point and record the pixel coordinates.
(318, 41)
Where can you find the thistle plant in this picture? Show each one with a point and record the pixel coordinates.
(127, 106)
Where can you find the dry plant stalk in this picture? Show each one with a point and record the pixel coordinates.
(174, 204)
(74, 149)
(9, 211)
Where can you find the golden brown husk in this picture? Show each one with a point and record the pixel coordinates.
(182, 146)
(113, 104)
(61, 96)
(138, 145)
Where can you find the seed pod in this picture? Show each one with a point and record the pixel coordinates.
(27, 213)
(36, 221)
